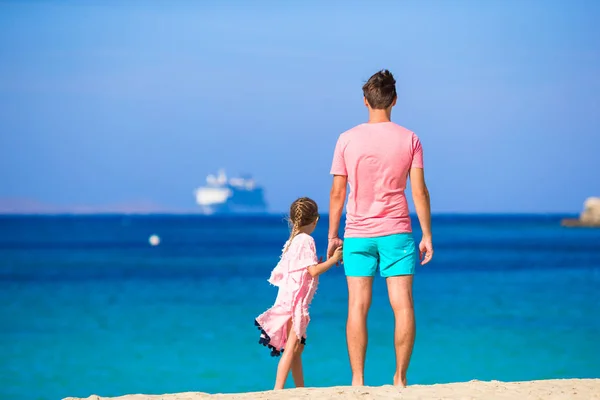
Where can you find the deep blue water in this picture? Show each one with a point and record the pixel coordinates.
(87, 306)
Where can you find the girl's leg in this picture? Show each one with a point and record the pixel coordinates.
(297, 372)
(285, 364)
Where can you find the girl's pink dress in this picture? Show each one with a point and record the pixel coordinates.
(296, 290)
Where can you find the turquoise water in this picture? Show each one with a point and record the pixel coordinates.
(88, 307)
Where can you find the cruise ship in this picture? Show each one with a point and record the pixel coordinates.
(223, 195)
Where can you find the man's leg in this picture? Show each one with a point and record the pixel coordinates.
(360, 290)
(400, 293)
(360, 264)
(398, 257)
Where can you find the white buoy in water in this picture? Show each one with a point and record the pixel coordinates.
(154, 240)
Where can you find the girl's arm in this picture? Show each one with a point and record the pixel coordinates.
(318, 269)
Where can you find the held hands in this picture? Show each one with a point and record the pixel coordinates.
(334, 243)
(334, 247)
(425, 250)
(337, 255)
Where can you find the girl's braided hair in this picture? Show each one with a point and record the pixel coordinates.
(303, 211)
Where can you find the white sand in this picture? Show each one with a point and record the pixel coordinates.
(584, 389)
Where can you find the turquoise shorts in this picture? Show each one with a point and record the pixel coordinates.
(394, 255)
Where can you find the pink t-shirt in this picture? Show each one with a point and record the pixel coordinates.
(376, 158)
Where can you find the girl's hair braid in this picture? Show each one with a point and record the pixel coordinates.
(303, 211)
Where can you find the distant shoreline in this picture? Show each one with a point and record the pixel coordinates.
(578, 223)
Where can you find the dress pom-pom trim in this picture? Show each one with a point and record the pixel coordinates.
(265, 340)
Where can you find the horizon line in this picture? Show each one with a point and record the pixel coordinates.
(266, 214)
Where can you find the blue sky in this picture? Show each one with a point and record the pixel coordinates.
(115, 102)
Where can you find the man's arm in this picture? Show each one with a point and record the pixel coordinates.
(337, 198)
(422, 204)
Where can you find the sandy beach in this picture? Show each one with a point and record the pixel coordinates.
(588, 389)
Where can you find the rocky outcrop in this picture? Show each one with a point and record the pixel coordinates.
(590, 215)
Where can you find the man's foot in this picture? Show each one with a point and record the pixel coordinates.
(398, 382)
(358, 382)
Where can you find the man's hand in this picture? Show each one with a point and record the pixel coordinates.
(425, 251)
(334, 243)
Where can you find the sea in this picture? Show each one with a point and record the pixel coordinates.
(89, 306)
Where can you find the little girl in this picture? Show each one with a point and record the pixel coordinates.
(296, 275)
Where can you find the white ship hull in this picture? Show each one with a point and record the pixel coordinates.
(230, 196)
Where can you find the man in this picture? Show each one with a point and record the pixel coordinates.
(375, 159)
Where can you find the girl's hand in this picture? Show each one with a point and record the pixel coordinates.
(337, 254)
